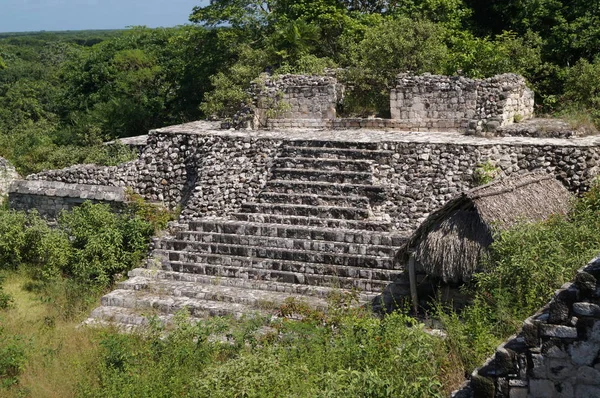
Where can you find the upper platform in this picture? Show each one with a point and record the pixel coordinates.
(369, 135)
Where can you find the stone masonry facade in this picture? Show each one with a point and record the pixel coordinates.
(295, 101)
(461, 104)
(557, 352)
(49, 198)
(213, 172)
(420, 103)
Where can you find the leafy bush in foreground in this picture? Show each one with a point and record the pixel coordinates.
(12, 358)
(5, 298)
(83, 254)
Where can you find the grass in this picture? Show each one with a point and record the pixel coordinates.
(346, 352)
(57, 351)
(580, 120)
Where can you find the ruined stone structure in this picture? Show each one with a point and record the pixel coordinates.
(271, 214)
(556, 354)
(419, 103)
(461, 104)
(49, 198)
(295, 101)
(8, 174)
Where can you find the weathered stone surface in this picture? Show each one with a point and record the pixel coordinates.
(588, 375)
(483, 387)
(505, 363)
(538, 366)
(558, 331)
(586, 309)
(586, 284)
(49, 198)
(540, 388)
(585, 391)
(461, 104)
(583, 353)
(295, 100)
(8, 174)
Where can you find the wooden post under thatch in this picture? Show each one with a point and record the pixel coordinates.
(412, 276)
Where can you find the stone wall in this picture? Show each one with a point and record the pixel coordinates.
(213, 172)
(202, 174)
(49, 198)
(421, 177)
(305, 101)
(557, 352)
(8, 174)
(457, 103)
(443, 102)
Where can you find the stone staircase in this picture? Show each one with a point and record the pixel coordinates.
(309, 233)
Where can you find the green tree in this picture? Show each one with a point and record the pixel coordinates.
(394, 46)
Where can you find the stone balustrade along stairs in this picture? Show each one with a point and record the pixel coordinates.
(310, 232)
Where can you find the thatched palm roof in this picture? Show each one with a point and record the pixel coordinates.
(451, 242)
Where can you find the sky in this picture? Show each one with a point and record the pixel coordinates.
(34, 15)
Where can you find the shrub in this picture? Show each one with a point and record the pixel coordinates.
(391, 47)
(582, 89)
(5, 298)
(12, 359)
(485, 173)
(103, 242)
(12, 238)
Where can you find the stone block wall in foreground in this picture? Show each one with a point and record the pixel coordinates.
(49, 198)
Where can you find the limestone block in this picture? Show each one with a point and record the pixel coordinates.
(583, 353)
(585, 391)
(541, 388)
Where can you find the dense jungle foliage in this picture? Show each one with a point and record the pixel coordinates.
(63, 93)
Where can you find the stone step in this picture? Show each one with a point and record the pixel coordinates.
(287, 243)
(179, 248)
(314, 199)
(369, 225)
(298, 162)
(334, 153)
(128, 319)
(337, 177)
(369, 280)
(165, 304)
(259, 299)
(325, 212)
(216, 263)
(248, 284)
(330, 144)
(373, 192)
(222, 226)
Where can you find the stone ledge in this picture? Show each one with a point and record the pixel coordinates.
(57, 189)
(370, 135)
